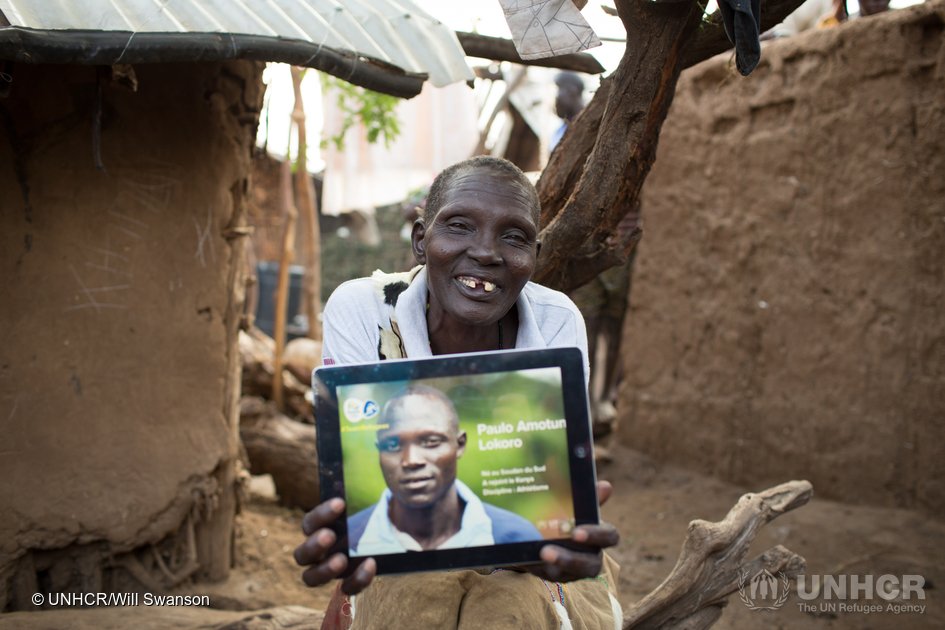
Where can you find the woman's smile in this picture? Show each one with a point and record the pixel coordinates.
(480, 249)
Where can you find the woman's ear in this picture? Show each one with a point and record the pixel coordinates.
(537, 249)
(416, 241)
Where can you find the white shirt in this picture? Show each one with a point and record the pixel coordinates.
(356, 312)
(381, 536)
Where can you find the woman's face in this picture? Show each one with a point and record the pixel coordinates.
(480, 248)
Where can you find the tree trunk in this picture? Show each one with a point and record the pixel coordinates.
(584, 199)
(311, 283)
(595, 174)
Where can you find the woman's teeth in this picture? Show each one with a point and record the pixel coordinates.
(472, 283)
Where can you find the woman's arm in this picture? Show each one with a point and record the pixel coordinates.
(350, 324)
(350, 321)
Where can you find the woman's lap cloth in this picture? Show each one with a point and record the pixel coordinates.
(477, 600)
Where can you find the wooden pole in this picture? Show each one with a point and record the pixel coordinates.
(312, 281)
(282, 288)
(500, 105)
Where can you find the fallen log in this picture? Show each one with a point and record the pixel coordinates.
(281, 447)
(164, 617)
(711, 564)
(301, 356)
(257, 351)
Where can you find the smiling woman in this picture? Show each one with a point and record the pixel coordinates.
(477, 245)
(479, 241)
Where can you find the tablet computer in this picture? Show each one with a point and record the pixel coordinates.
(472, 460)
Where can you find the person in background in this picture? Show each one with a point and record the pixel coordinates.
(568, 103)
(822, 14)
(604, 301)
(872, 7)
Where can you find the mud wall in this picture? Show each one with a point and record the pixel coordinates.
(787, 308)
(121, 252)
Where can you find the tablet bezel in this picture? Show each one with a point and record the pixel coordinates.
(325, 381)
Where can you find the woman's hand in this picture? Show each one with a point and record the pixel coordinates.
(564, 565)
(315, 553)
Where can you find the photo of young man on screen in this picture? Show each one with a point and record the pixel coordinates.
(424, 505)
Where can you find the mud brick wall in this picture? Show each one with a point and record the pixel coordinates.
(119, 306)
(788, 307)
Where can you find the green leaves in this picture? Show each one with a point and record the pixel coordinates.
(376, 111)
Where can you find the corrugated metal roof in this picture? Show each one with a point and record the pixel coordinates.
(392, 32)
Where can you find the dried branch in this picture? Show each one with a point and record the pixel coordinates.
(637, 100)
(711, 38)
(500, 49)
(282, 287)
(711, 562)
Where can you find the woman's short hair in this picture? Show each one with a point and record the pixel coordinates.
(499, 166)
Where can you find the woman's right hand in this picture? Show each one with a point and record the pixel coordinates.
(322, 566)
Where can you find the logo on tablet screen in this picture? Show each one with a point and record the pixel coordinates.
(357, 410)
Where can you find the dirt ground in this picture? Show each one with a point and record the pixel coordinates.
(652, 506)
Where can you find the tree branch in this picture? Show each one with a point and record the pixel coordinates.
(624, 142)
(500, 49)
(587, 264)
(711, 39)
(710, 565)
(595, 174)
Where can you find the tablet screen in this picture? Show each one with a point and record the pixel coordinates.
(498, 439)
(456, 461)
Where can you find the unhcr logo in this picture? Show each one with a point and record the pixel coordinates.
(895, 594)
(764, 591)
(865, 594)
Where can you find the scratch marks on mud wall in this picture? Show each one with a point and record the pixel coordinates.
(204, 239)
(103, 280)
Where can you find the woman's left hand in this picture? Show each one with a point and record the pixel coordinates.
(563, 565)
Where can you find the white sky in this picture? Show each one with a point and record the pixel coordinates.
(480, 16)
(485, 17)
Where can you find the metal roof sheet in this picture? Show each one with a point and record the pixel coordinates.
(395, 33)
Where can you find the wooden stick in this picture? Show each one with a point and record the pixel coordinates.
(500, 49)
(282, 288)
(712, 561)
(312, 281)
(500, 105)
